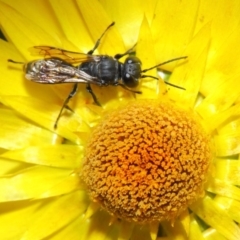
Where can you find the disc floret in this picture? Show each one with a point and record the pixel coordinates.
(147, 161)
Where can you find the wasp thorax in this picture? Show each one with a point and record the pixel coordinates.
(147, 162)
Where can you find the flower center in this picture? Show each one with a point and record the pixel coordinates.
(147, 161)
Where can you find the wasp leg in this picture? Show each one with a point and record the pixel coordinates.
(131, 90)
(89, 89)
(119, 55)
(99, 40)
(71, 94)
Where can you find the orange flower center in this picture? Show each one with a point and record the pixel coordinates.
(147, 161)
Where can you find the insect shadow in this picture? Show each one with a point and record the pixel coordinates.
(63, 66)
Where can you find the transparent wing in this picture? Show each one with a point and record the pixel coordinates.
(68, 56)
(55, 71)
(55, 77)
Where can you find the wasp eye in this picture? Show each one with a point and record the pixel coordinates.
(127, 75)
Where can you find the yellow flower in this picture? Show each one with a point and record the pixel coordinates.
(48, 175)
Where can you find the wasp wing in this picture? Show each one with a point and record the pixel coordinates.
(55, 71)
(59, 77)
(68, 56)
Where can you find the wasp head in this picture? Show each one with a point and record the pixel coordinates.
(131, 71)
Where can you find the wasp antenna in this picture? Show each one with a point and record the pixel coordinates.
(160, 64)
(168, 83)
(12, 61)
(173, 85)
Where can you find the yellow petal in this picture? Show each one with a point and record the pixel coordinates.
(230, 205)
(224, 117)
(223, 188)
(224, 65)
(10, 166)
(216, 217)
(73, 26)
(92, 208)
(227, 144)
(97, 227)
(194, 230)
(154, 227)
(145, 51)
(57, 213)
(228, 170)
(42, 113)
(16, 133)
(37, 182)
(230, 128)
(80, 105)
(109, 97)
(22, 32)
(97, 21)
(184, 218)
(140, 233)
(148, 7)
(15, 218)
(62, 156)
(224, 34)
(39, 12)
(71, 231)
(10, 71)
(12, 77)
(212, 233)
(172, 28)
(126, 230)
(82, 229)
(190, 71)
(128, 18)
(13, 82)
(175, 231)
(215, 11)
(216, 101)
(145, 47)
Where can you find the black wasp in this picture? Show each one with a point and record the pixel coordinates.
(101, 70)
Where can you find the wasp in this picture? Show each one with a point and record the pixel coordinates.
(102, 70)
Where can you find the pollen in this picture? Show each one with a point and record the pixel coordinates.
(147, 161)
